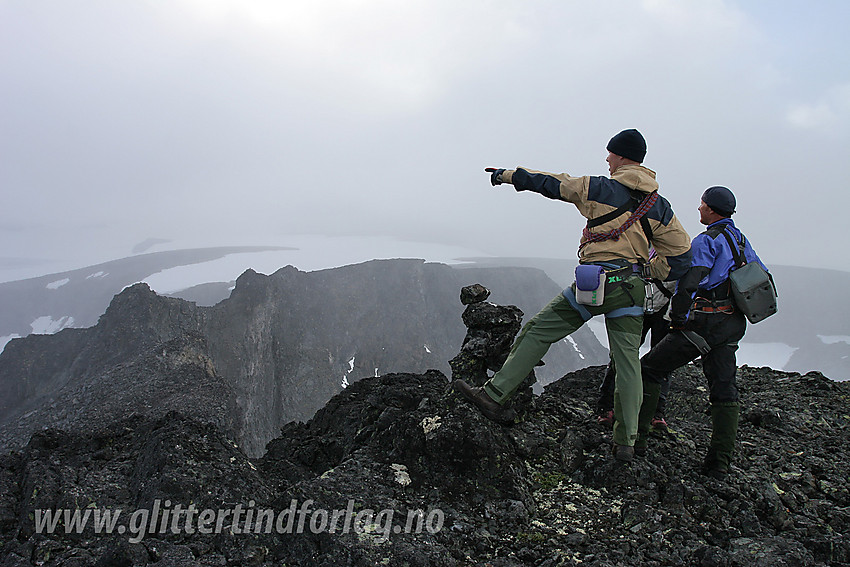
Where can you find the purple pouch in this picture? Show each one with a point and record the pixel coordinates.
(589, 277)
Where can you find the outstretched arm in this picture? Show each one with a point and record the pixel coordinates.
(554, 186)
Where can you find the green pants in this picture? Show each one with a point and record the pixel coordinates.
(623, 310)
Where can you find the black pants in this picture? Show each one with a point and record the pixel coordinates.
(722, 332)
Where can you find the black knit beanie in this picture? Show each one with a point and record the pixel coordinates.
(720, 199)
(628, 144)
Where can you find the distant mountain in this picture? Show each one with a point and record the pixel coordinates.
(274, 351)
(77, 298)
(810, 332)
(813, 318)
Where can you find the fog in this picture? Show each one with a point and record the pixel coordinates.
(215, 122)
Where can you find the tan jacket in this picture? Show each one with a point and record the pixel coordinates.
(596, 196)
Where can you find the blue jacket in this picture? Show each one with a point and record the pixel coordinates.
(711, 263)
(714, 253)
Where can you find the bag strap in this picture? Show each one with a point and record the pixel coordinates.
(630, 205)
(739, 257)
(647, 229)
(737, 248)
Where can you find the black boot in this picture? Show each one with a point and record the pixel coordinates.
(605, 403)
(724, 429)
(651, 391)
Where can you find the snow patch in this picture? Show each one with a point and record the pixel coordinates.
(774, 355)
(45, 325)
(832, 339)
(572, 341)
(5, 340)
(597, 326)
(58, 283)
(100, 274)
(428, 350)
(308, 253)
(345, 383)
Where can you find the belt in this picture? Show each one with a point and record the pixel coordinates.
(616, 265)
(703, 305)
(618, 270)
(713, 309)
(620, 275)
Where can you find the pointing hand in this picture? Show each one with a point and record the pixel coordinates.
(495, 175)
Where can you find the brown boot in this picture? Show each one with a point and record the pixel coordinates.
(623, 453)
(485, 404)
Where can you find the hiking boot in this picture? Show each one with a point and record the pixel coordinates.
(605, 418)
(651, 391)
(714, 468)
(623, 453)
(724, 428)
(658, 424)
(485, 404)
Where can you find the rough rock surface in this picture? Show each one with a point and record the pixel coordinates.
(490, 332)
(275, 351)
(398, 470)
(542, 492)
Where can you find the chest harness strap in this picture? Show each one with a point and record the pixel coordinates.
(637, 215)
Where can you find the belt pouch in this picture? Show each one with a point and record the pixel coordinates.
(590, 284)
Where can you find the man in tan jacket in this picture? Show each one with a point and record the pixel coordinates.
(626, 216)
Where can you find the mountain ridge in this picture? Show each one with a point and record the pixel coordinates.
(278, 348)
(808, 333)
(395, 468)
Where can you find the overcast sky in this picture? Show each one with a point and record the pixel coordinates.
(213, 122)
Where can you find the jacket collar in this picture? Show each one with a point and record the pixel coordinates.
(722, 221)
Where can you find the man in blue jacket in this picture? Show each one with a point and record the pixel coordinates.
(704, 321)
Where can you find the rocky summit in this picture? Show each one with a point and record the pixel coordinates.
(397, 469)
(413, 475)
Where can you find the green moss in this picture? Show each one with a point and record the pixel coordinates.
(548, 480)
(531, 537)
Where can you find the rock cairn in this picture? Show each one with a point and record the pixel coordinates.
(490, 333)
